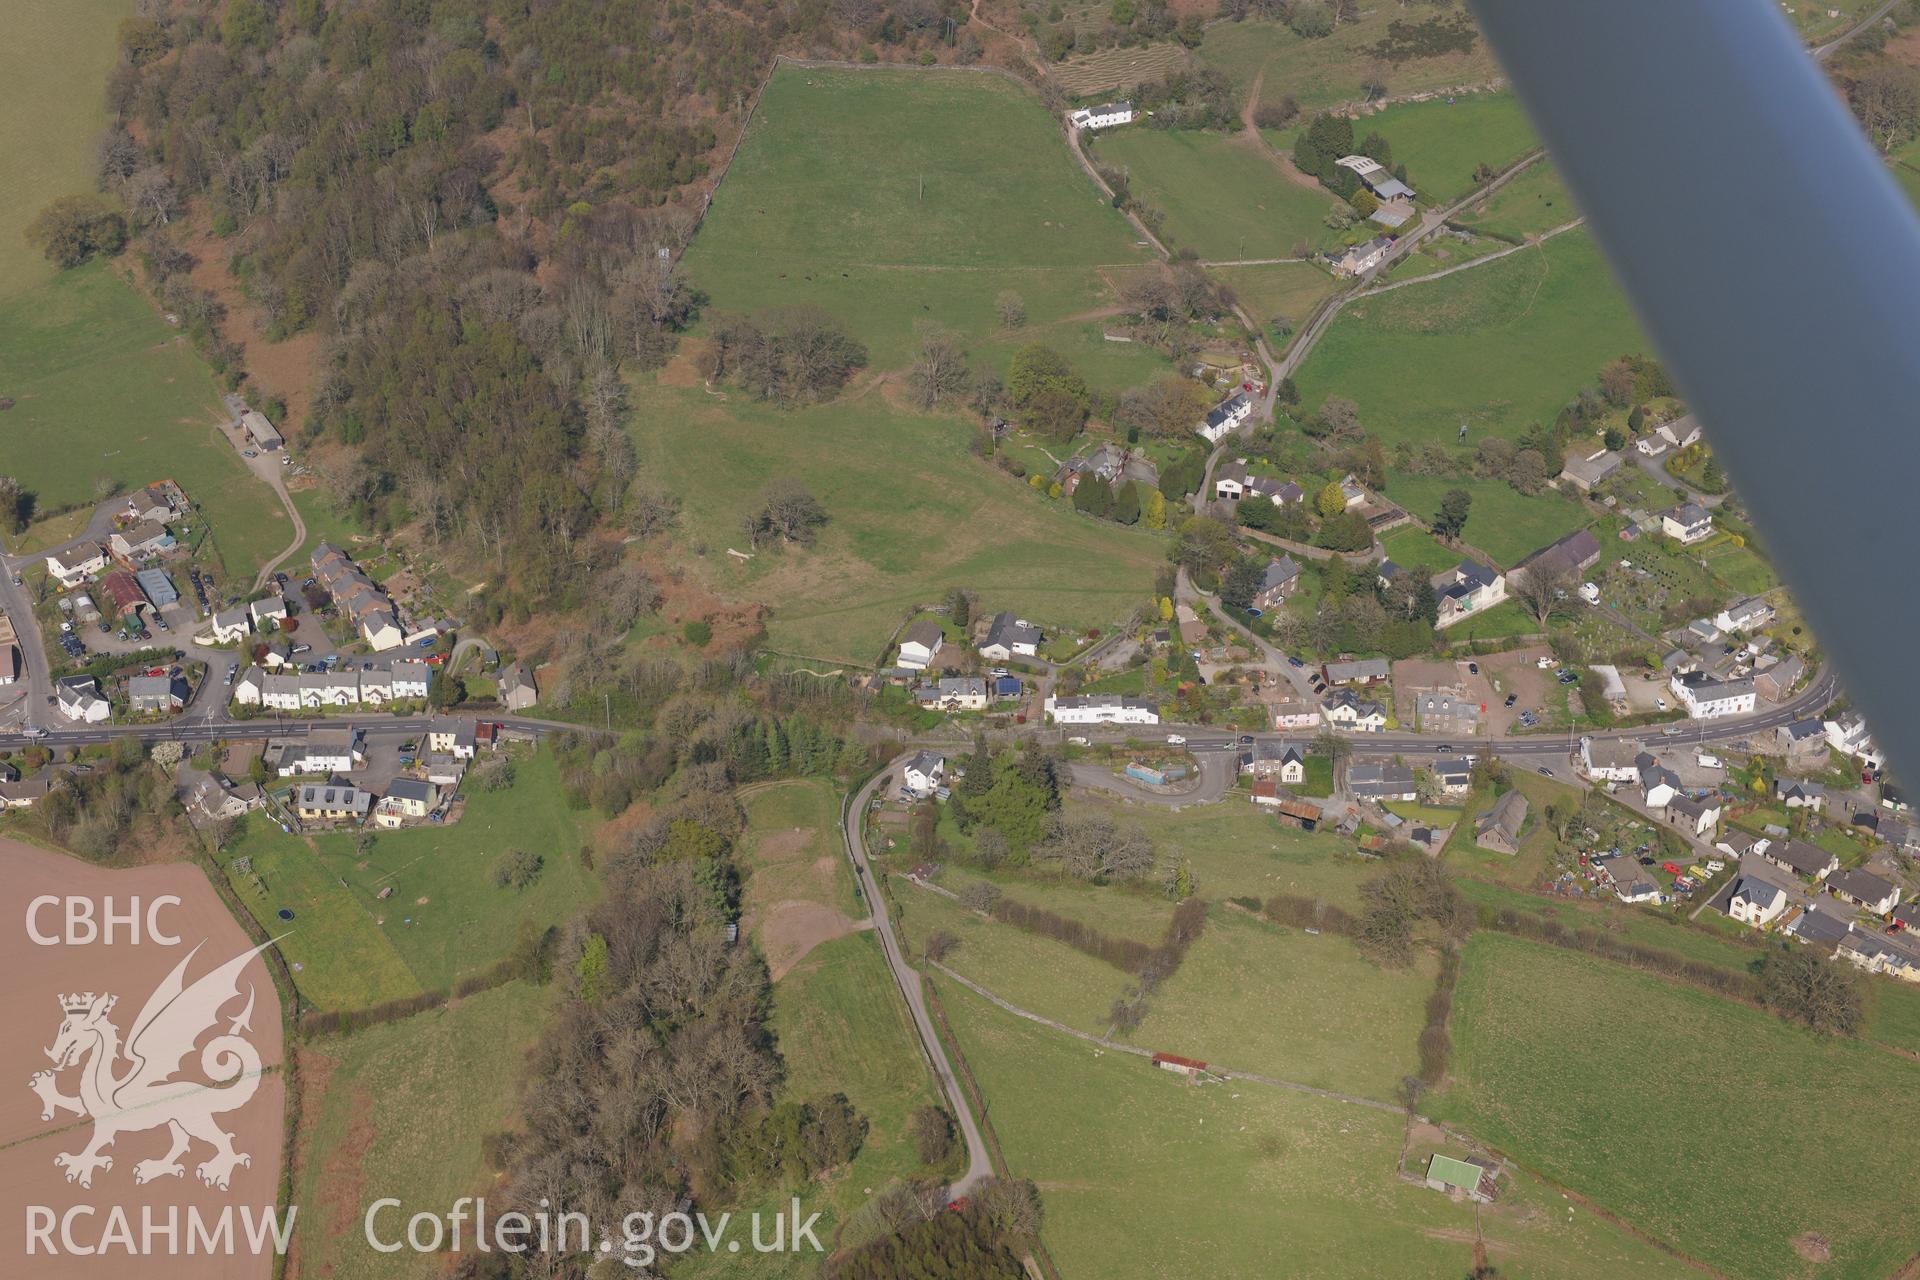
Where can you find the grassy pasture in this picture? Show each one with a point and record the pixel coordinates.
(1442, 142)
(400, 1110)
(1238, 851)
(1047, 977)
(1535, 201)
(855, 191)
(1323, 73)
(1551, 1065)
(1505, 523)
(912, 514)
(1498, 348)
(1258, 998)
(1290, 289)
(54, 63)
(1144, 1175)
(1223, 197)
(104, 388)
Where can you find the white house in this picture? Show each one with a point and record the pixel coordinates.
(1104, 116)
(1225, 417)
(1848, 734)
(321, 751)
(1296, 713)
(1610, 759)
(923, 772)
(412, 678)
(141, 539)
(1102, 708)
(1010, 637)
(1749, 614)
(1346, 709)
(229, 626)
(381, 631)
(1467, 588)
(1687, 523)
(77, 563)
(919, 644)
(79, 699)
(953, 693)
(1756, 900)
(1659, 785)
(272, 609)
(1708, 699)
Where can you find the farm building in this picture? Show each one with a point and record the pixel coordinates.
(1105, 116)
(1188, 1067)
(1472, 1178)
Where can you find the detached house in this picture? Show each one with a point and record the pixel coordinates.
(78, 698)
(516, 688)
(1687, 523)
(1225, 417)
(457, 740)
(407, 800)
(323, 802)
(1756, 900)
(156, 695)
(1346, 709)
(954, 693)
(1748, 614)
(1279, 760)
(1359, 259)
(1798, 793)
(76, 564)
(1008, 637)
(1280, 580)
(920, 643)
(1611, 759)
(1465, 589)
(924, 772)
(1499, 828)
(1584, 472)
(229, 626)
(1776, 683)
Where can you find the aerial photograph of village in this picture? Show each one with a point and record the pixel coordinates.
(938, 640)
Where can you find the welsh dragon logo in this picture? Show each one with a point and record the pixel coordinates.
(144, 1094)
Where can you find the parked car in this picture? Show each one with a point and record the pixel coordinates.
(1512, 698)
(301, 648)
(1473, 668)
(248, 453)
(1544, 771)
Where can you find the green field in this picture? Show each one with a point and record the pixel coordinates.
(912, 513)
(1290, 289)
(1498, 348)
(1616, 1083)
(445, 917)
(54, 64)
(1533, 202)
(1038, 974)
(1257, 997)
(1237, 851)
(1441, 142)
(1322, 73)
(856, 191)
(1141, 1174)
(105, 390)
(1505, 523)
(1223, 197)
(1412, 547)
(401, 1111)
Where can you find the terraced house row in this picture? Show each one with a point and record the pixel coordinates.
(361, 684)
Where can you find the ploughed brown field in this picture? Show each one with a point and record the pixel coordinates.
(37, 978)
